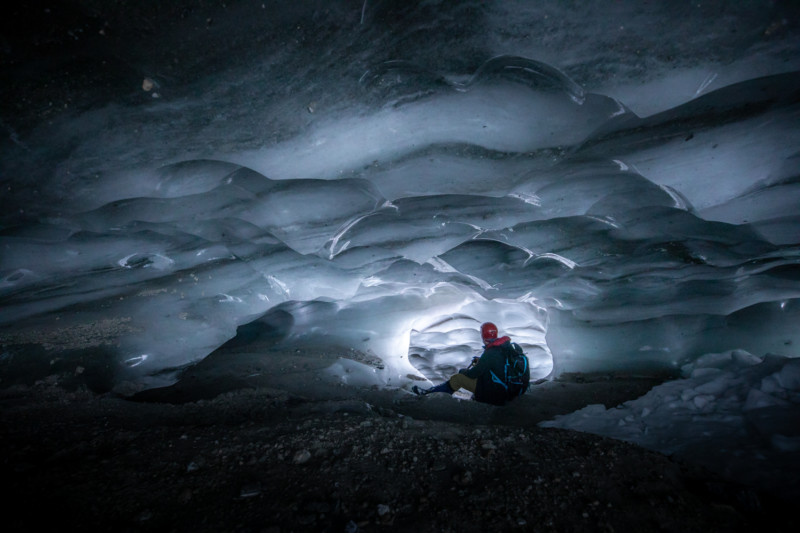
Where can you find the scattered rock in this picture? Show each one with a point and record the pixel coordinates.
(243, 453)
(301, 457)
(249, 491)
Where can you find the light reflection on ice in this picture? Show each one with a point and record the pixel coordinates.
(136, 361)
(620, 241)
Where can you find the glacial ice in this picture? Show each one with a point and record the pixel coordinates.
(601, 228)
(721, 412)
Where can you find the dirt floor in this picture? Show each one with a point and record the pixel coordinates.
(226, 454)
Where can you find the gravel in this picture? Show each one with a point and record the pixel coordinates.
(262, 459)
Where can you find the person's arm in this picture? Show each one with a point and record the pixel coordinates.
(480, 368)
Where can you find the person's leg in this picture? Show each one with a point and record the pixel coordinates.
(442, 387)
(457, 381)
(460, 381)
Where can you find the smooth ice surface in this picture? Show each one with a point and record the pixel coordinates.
(380, 178)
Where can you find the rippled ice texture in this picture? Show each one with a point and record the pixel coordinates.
(598, 239)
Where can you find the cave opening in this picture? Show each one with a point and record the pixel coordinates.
(442, 344)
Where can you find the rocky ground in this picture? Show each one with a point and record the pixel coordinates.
(193, 457)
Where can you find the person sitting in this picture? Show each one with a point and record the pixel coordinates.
(486, 377)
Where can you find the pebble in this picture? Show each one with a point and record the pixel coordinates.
(301, 457)
(383, 509)
(248, 491)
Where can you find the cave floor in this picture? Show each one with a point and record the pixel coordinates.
(238, 455)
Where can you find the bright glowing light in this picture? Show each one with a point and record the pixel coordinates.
(136, 361)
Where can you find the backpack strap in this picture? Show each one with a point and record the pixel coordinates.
(498, 380)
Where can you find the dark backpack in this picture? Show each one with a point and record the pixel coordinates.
(517, 374)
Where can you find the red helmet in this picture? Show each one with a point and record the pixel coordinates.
(488, 332)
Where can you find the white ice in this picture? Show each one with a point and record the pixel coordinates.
(734, 412)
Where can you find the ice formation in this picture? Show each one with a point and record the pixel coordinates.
(635, 226)
(593, 236)
(733, 412)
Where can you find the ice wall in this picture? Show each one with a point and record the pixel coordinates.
(599, 239)
(610, 209)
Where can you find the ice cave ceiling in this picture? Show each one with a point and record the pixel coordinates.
(381, 177)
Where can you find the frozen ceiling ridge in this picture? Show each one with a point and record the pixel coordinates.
(604, 240)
